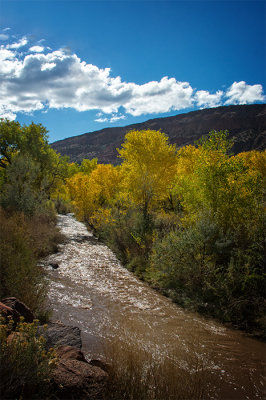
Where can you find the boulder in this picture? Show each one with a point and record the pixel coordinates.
(6, 311)
(76, 379)
(100, 364)
(19, 309)
(70, 353)
(57, 334)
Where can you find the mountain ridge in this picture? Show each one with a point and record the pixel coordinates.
(245, 123)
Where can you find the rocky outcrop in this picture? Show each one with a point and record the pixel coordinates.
(18, 308)
(57, 334)
(245, 123)
(75, 378)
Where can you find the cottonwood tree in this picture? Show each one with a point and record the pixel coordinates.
(149, 165)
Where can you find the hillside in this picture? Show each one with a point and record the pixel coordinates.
(246, 123)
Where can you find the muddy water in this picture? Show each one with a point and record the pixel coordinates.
(91, 290)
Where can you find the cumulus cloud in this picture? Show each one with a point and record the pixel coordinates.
(21, 43)
(242, 93)
(37, 49)
(205, 99)
(37, 80)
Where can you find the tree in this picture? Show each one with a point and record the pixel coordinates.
(28, 165)
(211, 180)
(92, 193)
(149, 163)
(10, 140)
(31, 140)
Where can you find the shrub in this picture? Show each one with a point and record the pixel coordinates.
(130, 236)
(23, 240)
(19, 275)
(25, 365)
(222, 274)
(44, 234)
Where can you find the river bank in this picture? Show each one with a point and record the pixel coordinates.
(118, 313)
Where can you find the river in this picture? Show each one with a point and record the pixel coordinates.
(91, 290)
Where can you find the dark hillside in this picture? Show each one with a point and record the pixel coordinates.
(246, 123)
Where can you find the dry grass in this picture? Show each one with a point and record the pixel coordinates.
(149, 374)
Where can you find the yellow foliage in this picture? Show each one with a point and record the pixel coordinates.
(255, 160)
(89, 193)
(149, 164)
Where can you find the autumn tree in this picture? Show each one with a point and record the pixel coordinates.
(92, 193)
(149, 163)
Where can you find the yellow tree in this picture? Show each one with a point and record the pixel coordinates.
(90, 194)
(149, 164)
(230, 188)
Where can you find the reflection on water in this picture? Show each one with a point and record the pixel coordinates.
(91, 290)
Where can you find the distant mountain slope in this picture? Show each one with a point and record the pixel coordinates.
(246, 123)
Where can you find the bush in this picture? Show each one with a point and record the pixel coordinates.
(23, 240)
(44, 234)
(130, 236)
(221, 274)
(25, 366)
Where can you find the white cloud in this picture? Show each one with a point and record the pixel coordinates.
(37, 49)
(159, 97)
(204, 99)
(101, 119)
(3, 36)
(21, 43)
(48, 66)
(113, 118)
(242, 93)
(6, 29)
(60, 79)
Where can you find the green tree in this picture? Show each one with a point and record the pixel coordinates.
(29, 166)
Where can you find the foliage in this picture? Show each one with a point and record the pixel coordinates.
(129, 236)
(91, 193)
(19, 276)
(191, 221)
(87, 166)
(21, 191)
(30, 169)
(148, 167)
(25, 365)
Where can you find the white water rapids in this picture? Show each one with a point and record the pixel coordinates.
(91, 290)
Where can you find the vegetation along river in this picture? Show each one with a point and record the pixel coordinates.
(91, 290)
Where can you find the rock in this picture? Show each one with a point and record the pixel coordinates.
(75, 379)
(57, 334)
(20, 308)
(70, 353)
(100, 364)
(7, 311)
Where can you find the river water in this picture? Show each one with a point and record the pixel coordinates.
(91, 290)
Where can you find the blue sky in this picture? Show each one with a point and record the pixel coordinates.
(79, 66)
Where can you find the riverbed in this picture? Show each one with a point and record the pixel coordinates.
(92, 290)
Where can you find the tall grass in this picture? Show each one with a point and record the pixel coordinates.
(150, 374)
